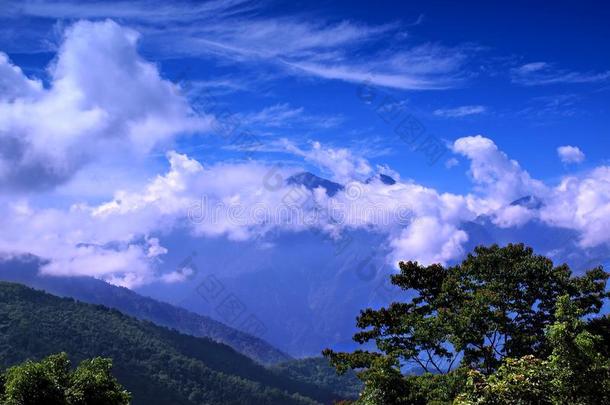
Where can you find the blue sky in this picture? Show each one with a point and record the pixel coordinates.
(563, 103)
(96, 94)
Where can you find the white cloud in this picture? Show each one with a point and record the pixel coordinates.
(284, 116)
(102, 98)
(451, 162)
(241, 32)
(462, 111)
(543, 73)
(582, 203)
(501, 179)
(341, 164)
(570, 154)
(513, 215)
(424, 67)
(14, 84)
(120, 240)
(428, 240)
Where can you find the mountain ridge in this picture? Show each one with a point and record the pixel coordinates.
(99, 292)
(158, 365)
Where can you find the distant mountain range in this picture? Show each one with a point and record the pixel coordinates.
(308, 289)
(305, 288)
(157, 365)
(316, 370)
(25, 270)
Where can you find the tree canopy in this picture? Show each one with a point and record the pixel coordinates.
(52, 381)
(494, 313)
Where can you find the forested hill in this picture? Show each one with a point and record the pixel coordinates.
(158, 365)
(24, 270)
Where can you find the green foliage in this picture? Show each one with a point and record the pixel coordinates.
(37, 383)
(92, 384)
(495, 328)
(517, 381)
(384, 383)
(157, 365)
(575, 373)
(52, 382)
(581, 374)
(497, 303)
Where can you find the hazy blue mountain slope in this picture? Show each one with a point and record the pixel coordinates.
(25, 270)
(316, 370)
(307, 289)
(158, 365)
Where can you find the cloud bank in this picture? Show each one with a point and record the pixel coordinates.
(103, 100)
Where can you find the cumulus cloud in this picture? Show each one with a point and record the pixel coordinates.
(501, 179)
(120, 240)
(14, 84)
(582, 203)
(570, 154)
(428, 240)
(103, 97)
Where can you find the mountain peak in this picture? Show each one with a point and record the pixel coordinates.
(383, 178)
(311, 181)
(529, 201)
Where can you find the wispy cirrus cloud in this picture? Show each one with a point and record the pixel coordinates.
(149, 11)
(283, 115)
(423, 67)
(238, 31)
(462, 111)
(543, 73)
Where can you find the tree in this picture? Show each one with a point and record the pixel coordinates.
(52, 382)
(575, 372)
(581, 373)
(93, 384)
(34, 383)
(496, 304)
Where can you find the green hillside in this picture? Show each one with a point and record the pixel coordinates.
(157, 365)
(24, 270)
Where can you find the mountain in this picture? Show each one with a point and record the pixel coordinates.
(383, 178)
(308, 289)
(157, 365)
(529, 201)
(311, 181)
(25, 270)
(316, 370)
